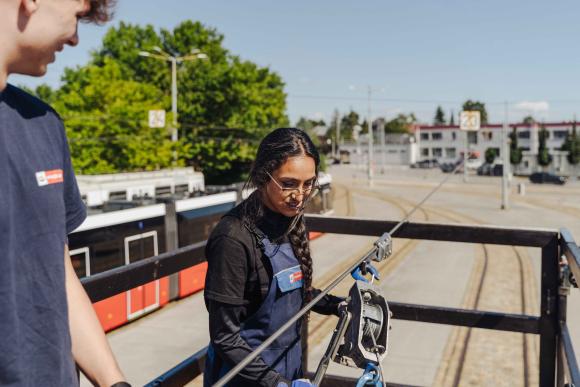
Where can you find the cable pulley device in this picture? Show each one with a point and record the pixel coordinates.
(366, 337)
(361, 336)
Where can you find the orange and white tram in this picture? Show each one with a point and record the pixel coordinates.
(112, 239)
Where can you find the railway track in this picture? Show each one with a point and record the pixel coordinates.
(462, 361)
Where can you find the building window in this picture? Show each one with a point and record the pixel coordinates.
(487, 135)
(424, 136)
(560, 134)
(524, 134)
(436, 136)
(437, 152)
(450, 153)
(425, 152)
(472, 137)
(453, 135)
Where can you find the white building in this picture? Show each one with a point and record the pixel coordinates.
(447, 143)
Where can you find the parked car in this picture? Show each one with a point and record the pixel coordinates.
(430, 163)
(449, 167)
(548, 178)
(490, 170)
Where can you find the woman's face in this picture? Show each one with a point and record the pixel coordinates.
(290, 185)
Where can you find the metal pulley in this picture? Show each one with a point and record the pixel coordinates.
(366, 337)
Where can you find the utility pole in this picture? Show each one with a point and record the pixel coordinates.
(370, 130)
(506, 162)
(465, 157)
(337, 155)
(162, 55)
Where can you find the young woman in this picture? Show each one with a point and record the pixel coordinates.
(260, 269)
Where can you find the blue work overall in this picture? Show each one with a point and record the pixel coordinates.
(283, 301)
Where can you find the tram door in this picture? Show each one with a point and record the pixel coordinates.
(143, 298)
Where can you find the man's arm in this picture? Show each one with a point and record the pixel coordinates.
(90, 348)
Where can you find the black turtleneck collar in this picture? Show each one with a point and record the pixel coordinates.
(273, 224)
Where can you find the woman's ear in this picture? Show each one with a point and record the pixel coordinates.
(29, 6)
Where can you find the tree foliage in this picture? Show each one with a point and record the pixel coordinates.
(105, 103)
(439, 117)
(572, 146)
(490, 155)
(470, 105)
(516, 155)
(347, 124)
(544, 156)
(400, 124)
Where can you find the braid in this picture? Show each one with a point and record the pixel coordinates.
(299, 241)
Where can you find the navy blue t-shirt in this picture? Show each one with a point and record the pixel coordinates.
(39, 205)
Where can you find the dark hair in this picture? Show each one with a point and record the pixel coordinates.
(274, 150)
(100, 11)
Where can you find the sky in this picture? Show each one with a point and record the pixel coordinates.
(412, 54)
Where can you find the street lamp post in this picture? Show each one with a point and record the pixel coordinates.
(175, 60)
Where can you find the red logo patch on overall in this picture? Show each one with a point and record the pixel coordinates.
(295, 277)
(49, 177)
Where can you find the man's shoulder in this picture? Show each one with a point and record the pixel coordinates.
(26, 104)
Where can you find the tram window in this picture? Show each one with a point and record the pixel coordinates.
(163, 191)
(118, 195)
(181, 189)
(106, 255)
(141, 246)
(79, 259)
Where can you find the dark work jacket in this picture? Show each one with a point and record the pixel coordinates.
(238, 279)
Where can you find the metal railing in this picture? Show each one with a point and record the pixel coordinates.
(557, 359)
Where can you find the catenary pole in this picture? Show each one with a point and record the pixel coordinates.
(370, 133)
(506, 162)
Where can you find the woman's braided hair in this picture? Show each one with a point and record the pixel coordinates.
(274, 150)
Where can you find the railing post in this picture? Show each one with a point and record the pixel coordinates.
(562, 315)
(304, 340)
(549, 313)
(172, 243)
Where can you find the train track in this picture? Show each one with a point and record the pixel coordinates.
(320, 325)
(459, 365)
(460, 368)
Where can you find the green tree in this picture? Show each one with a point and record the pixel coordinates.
(221, 92)
(451, 118)
(516, 155)
(490, 155)
(529, 120)
(400, 124)
(106, 118)
(307, 124)
(439, 117)
(347, 124)
(572, 146)
(470, 105)
(544, 156)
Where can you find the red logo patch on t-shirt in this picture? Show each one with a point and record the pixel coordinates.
(49, 177)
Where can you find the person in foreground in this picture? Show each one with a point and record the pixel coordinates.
(260, 269)
(47, 321)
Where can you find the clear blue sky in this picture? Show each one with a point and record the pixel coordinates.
(415, 54)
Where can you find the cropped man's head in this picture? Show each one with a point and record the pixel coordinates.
(36, 30)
